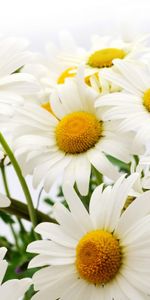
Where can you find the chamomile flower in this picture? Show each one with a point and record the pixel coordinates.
(70, 141)
(103, 254)
(11, 289)
(102, 54)
(13, 85)
(133, 104)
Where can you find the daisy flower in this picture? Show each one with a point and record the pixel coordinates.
(133, 104)
(70, 141)
(11, 289)
(13, 85)
(103, 254)
(102, 54)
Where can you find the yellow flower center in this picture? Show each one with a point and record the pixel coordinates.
(66, 74)
(78, 132)
(47, 106)
(104, 58)
(98, 257)
(146, 100)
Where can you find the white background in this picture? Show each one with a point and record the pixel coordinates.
(41, 20)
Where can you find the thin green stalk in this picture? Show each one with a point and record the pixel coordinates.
(3, 171)
(22, 181)
(4, 178)
(15, 237)
(21, 224)
(20, 210)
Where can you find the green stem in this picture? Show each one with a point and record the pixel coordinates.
(20, 210)
(5, 181)
(23, 183)
(22, 228)
(4, 178)
(15, 237)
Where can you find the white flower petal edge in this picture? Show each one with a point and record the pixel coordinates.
(13, 84)
(37, 147)
(132, 105)
(4, 201)
(62, 278)
(11, 289)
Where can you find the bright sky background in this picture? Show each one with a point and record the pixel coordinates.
(41, 20)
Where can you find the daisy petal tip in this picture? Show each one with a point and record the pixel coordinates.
(29, 248)
(3, 252)
(4, 201)
(37, 229)
(30, 265)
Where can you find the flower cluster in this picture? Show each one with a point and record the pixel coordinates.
(82, 116)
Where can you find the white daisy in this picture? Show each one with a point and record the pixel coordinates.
(132, 105)
(13, 85)
(11, 289)
(103, 254)
(70, 141)
(101, 55)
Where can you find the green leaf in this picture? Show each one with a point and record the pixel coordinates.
(6, 218)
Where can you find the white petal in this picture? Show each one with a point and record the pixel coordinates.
(14, 289)
(4, 201)
(82, 173)
(78, 210)
(68, 223)
(24, 84)
(43, 260)
(54, 233)
(50, 248)
(128, 289)
(55, 289)
(102, 164)
(136, 210)
(3, 268)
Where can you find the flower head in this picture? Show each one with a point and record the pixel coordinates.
(70, 141)
(103, 252)
(104, 50)
(131, 106)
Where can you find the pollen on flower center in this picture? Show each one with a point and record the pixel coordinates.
(104, 57)
(98, 257)
(146, 99)
(66, 74)
(78, 132)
